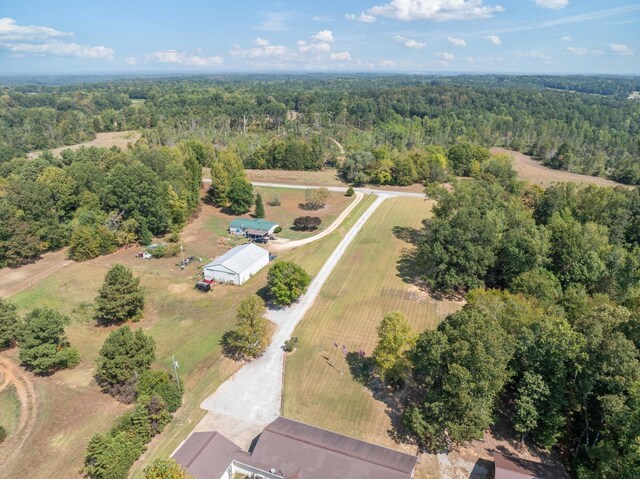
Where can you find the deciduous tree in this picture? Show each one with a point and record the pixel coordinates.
(287, 282)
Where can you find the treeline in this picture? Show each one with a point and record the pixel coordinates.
(288, 154)
(554, 347)
(399, 112)
(96, 199)
(428, 165)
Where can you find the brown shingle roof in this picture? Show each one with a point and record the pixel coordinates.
(206, 454)
(293, 447)
(509, 467)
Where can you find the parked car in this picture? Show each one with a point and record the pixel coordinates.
(144, 255)
(203, 286)
(259, 239)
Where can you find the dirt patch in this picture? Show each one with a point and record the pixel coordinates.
(14, 280)
(530, 169)
(178, 288)
(26, 394)
(121, 139)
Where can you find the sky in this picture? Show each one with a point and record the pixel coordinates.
(413, 36)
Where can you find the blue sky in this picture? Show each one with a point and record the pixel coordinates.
(523, 36)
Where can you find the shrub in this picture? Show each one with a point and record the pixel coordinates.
(3, 434)
(350, 192)
(287, 282)
(290, 344)
(159, 382)
(278, 229)
(165, 469)
(44, 348)
(316, 198)
(120, 298)
(307, 223)
(274, 200)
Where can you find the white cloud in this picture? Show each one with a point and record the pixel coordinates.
(274, 22)
(341, 56)
(60, 49)
(409, 10)
(583, 51)
(566, 38)
(324, 36)
(263, 49)
(11, 31)
(538, 55)
(618, 49)
(24, 40)
(319, 47)
(387, 63)
(552, 4)
(131, 60)
(363, 17)
(261, 42)
(446, 56)
(495, 39)
(409, 42)
(183, 58)
(459, 42)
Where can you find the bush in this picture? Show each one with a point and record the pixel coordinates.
(274, 200)
(165, 250)
(160, 382)
(120, 298)
(3, 434)
(44, 348)
(165, 469)
(350, 192)
(287, 282)
(307, 223)
(277, 230)
(124, 357)
(290, 344)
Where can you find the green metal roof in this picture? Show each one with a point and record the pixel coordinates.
(248, 223)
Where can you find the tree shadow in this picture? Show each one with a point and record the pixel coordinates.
(408, 234)
(361, 368)
(306, 207)
(482, 469)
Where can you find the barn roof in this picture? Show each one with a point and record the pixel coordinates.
(256, 224)
(239, 258)
(296, 448)
(509, 467)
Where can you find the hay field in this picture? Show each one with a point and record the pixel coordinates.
(103, 140)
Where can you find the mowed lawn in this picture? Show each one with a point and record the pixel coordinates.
(290, 208)
(183, 323)
(362, 288)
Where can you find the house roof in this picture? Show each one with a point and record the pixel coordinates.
(509, 467)
(239, 258)
(206, 454)
(296, 448)
(256, 224)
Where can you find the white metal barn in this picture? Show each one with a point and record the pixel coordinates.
(237, 265)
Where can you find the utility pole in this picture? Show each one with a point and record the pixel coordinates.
(182, 252)
(175, 371)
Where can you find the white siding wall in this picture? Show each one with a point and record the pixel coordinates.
(254, 268)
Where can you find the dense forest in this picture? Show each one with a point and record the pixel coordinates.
(590, 116)
(548, 339)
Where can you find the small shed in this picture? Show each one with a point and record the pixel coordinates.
(237, 265)
(259, 227)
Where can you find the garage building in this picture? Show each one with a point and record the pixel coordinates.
(237, 265)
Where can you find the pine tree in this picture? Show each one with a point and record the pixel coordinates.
(259, 212)
(120, 298)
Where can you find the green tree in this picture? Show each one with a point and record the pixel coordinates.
(9, 324)
(395, 338)
(123, 358)
(286, 282)
(252, 333)
(120, 298)
(159, 382)
(240, 195)
(44, 348)
(89, 242)
(350, 192)
(259, 211)
(110, 456)
(165, 469)
(218, 191)
(539, 283)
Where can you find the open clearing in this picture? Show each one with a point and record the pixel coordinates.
(289, 209)
(103, 140)
(183, 322)
(534, 171)
(362, 288)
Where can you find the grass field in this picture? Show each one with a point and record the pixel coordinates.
(183, 323)
(103, 140)
(9, 409)
(290, 208)
(362, 288)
